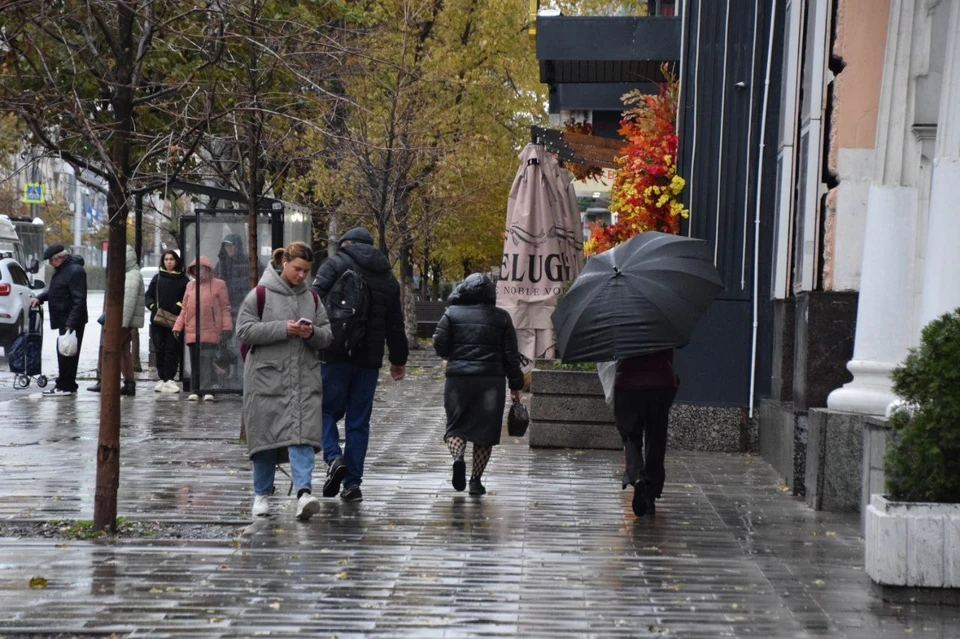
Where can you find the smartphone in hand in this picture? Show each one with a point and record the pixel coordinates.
(303, 321)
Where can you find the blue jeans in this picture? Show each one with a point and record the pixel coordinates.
(265, 465)
(348, 392)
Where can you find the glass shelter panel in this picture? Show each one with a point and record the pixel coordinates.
(212, 361)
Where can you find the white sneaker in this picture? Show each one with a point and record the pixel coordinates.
(58, 392)
(193, 397)
(208, 398)
(170, 386)
(261, 506)
(159, 387)
(307, 506)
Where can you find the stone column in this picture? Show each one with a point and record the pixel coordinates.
(941, 274)
(886, 311)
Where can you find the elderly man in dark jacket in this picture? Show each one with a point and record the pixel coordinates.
(350, 381)
(67, 299)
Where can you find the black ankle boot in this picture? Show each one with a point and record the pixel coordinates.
(459, 474)
(95, 388)
(128, 388)
(476, 488)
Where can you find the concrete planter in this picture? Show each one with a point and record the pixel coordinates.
(913, 548)
(568, 410)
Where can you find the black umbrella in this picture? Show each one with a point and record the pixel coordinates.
(643, 296)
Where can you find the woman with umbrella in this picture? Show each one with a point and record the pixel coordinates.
(480, 345)
(634, 304)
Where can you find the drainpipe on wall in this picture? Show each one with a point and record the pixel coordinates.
(756, 219)
(693, 103)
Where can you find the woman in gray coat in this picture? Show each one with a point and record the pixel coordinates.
(284, 325)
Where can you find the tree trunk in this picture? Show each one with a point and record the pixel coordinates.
(437, 272)
(108, 446)
(407, 294)
(424, 274)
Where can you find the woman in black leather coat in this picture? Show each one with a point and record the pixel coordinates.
(480, 345)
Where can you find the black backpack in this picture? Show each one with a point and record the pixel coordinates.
(348, 309)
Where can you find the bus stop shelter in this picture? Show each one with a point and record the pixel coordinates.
(217, 233)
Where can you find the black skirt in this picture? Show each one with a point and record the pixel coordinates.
(474, 406)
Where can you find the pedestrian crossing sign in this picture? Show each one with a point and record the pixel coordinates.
(33, 193)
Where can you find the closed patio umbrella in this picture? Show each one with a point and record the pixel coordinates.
(541, 251)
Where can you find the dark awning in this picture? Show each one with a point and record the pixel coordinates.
(605, 49)
(595, 96)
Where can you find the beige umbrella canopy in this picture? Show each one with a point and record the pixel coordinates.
(542, 250)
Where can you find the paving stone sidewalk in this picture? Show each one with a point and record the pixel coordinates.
(553, 549)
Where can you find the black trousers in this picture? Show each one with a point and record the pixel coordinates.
(167, 350)
(642, 417)
(67, 366)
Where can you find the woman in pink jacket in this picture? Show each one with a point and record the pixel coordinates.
(215, 325)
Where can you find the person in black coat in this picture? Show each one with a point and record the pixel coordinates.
(350, 381)
(480, 345)
(233, 267)
(166, 291)
(67, 299)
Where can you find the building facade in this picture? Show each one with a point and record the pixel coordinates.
(868, 176)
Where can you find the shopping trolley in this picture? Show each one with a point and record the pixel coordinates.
(26, 352)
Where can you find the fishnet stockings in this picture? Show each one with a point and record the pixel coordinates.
(457, 446)
(481, 454)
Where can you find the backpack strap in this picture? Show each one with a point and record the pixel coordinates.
(262, 299)
(316, 300)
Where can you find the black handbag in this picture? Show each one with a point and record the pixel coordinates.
(518, 419)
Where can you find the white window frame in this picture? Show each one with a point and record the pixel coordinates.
(789, 109)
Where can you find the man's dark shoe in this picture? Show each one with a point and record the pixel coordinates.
(476, 488)
(336, 471)
(351, 494)
(128, 388)
(459, 474)
(640, 499)
(95, 388)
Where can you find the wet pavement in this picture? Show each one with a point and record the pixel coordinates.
(552, 550)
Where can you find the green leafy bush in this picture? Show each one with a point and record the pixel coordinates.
(923, 456)
(96, 276)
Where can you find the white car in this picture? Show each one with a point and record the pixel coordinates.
(15, 295)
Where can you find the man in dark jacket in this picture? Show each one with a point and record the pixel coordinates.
(67, 299)
(233, 267)
(350, 382)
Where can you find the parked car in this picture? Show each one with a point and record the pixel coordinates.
(15, 294)
(148, 272)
